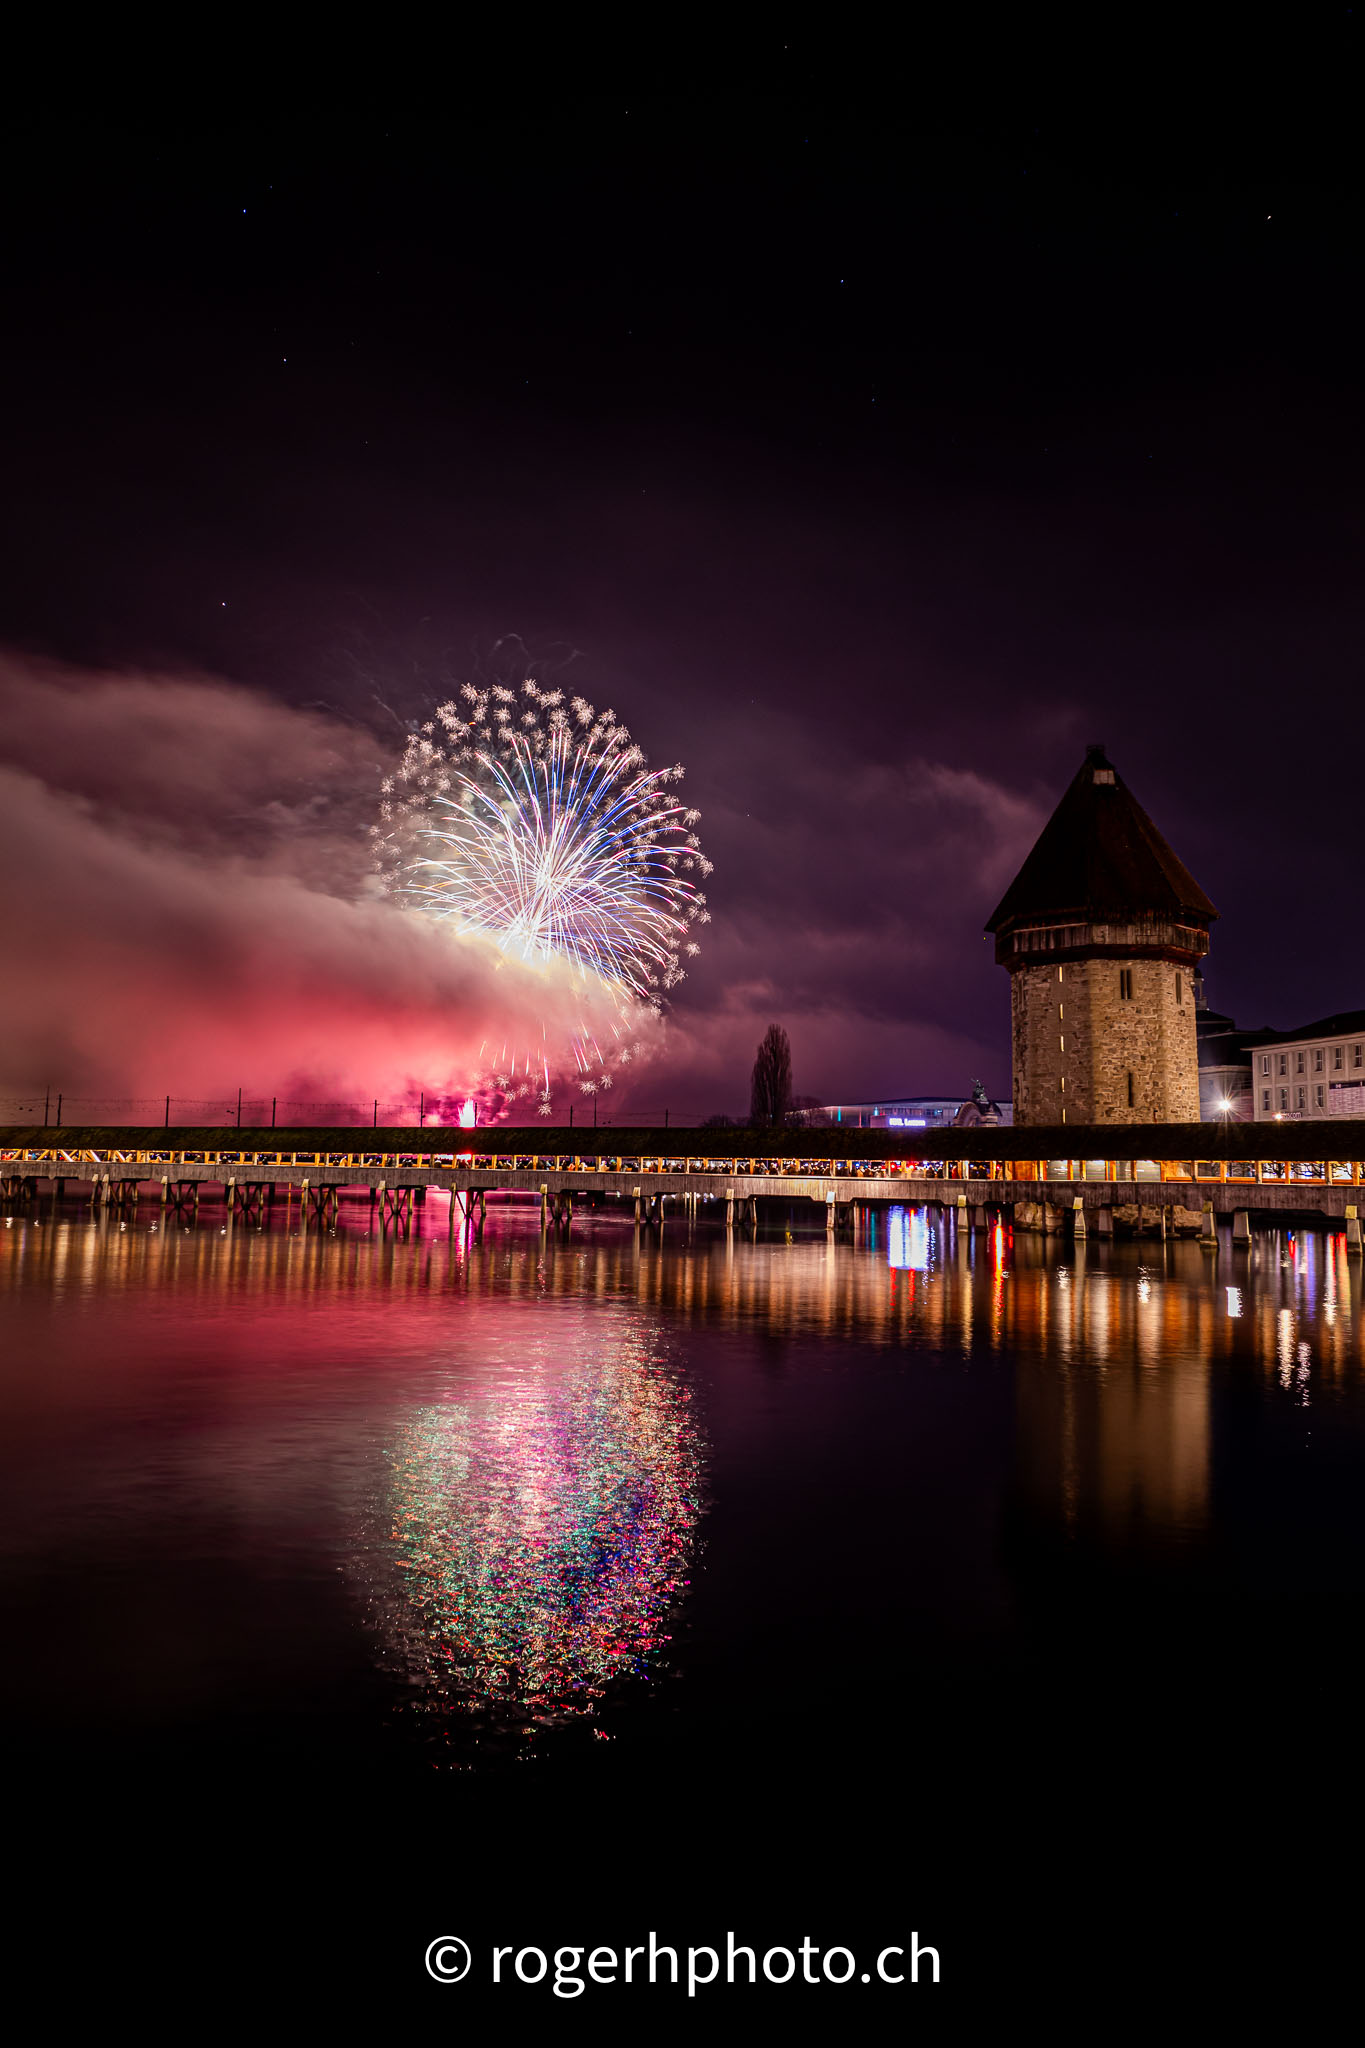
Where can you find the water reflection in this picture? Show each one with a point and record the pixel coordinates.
(497, 1446)
(543, 1532)
(908, 1242)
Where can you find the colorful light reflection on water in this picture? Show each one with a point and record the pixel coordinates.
(382, 1487)
(543, 1536)
(909, 1246)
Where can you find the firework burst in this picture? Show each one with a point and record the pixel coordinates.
(544, 828)
(539, 824)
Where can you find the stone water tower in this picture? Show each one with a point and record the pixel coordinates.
(1102, 931)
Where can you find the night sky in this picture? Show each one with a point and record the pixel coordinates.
(869, 445)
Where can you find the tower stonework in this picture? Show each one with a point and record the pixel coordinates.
(1102, 931)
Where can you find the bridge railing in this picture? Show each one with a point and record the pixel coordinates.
(60, 1161)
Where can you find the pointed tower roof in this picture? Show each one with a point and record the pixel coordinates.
(1100, 857)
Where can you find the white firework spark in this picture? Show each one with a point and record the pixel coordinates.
(539, 824)
(551, 835)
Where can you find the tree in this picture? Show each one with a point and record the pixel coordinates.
(770, 1090)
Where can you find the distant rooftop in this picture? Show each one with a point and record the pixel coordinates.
(912, 1110)
(1343, 1025)
(902, 1102)
(1222, 1044)
(1100, 857)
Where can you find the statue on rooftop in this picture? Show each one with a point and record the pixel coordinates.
(978, 1110)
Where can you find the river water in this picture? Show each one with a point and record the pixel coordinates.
(979, 1586)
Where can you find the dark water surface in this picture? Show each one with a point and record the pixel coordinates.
(559, 1589)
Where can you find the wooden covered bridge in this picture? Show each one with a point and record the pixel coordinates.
(1083, 1181)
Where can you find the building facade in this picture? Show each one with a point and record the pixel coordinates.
(1316, 1071)
(901, 1112)
(1102, 932)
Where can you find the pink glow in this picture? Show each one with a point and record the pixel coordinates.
(188, 887)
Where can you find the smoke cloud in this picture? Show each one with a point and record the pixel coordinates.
(850, 898)
(189, 909)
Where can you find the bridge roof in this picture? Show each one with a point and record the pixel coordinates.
(1338, 1137)
(1099, 856)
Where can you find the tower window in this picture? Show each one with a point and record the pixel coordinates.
(1180, 988)
(1104, 775)
(1125, 984)
(1132, 1100)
